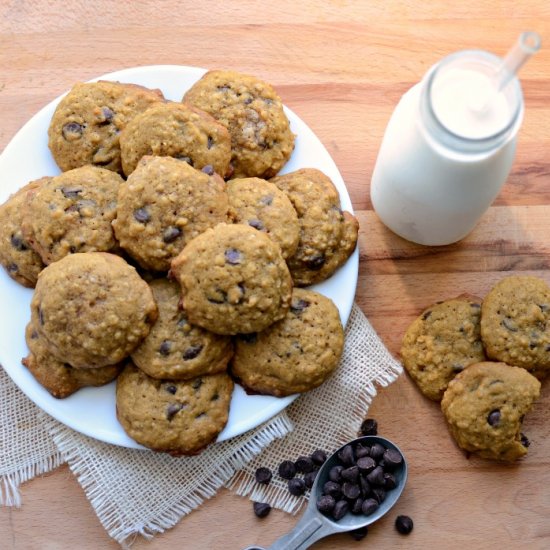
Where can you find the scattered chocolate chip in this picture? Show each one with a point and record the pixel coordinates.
(335, 474)
(40, 316)
(366, 464)
(404, 524)
(12, 268)
(70, 193)
(34, 335)
(426, 314)
(376, 477)
(361, 451)
(356, 506)
(266, 200)
(333, 489)
(141, 215)
(326, 504)
(340, 510)
(209, 142)
(208, 170)
(359, 534)
(197, 383)
(261, 509)
(248, 101)
(369, 427)
(296, 486)
(172, 410)
(186, 159)
(17, 242)
(263, 475)
(232, 256)
(287, 469)
(171, 389)
(351, 474)
(171, 234)
(72, 131)
(347, 456)
(389, 481)
(316, 262)
(509, 325)
(319, 457)
(392, 459)
(256, 224)
(309, 479)
(107, 115)
(369, 506)
(192, 352)
(379, 494)
(493, 418)
(165, 347)
(350, 490)
(304, 464)
(249, 338)
(298, 306)
(224, 88)
(377, 451)
(524, 441)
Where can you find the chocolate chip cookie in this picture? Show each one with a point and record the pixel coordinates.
(72, 213)
(484, 406)
(441, 342)
(176, 417)
(328, 236)
(253, 113)
(295, 354)
(176, 130)
(92, 310)
(163, 205)
(87, 122)
(263, 206)
(59, 378)
(174, 348)
(234, 280)
(17, 257)
(515, 323)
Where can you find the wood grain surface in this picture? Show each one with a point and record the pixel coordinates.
(341, 65)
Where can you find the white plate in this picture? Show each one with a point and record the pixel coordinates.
(91, 411)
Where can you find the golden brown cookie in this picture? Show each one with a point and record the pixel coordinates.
(295, 354)
(441, 342)
(515, 323)
(484, 406)
(92, 309)
(328, 236)
(176, 130)
(176, 417)
(253, 113)
(59, 378)
(234, 280)
(87, 122)
(174, 348)
(163, 205)
(263, 206)
(17, 257)
(72, 213)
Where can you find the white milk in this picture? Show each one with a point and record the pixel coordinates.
(447, 151)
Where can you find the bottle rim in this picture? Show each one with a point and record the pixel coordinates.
(458, 141)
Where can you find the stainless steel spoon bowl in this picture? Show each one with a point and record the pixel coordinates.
(314, 525)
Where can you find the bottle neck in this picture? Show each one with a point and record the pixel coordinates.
(461, 107)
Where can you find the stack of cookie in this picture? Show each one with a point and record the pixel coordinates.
(143, 197)
(482, 360)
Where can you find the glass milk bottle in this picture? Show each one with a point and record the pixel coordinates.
(448, 148)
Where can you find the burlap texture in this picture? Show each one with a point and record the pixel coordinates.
(141, 492)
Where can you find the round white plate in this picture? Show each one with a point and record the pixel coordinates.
(91, 411)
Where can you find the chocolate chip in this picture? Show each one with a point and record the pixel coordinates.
(333, 489)
(524, 441)
(172, 410)
(224, 88)
(296, 486)
(309, 479)
(165, 347)
(256, 224)
(261, 509)
(426, 314)
(359, 534)
(346, 456)
(192, 352)
(326, 504)
(208, 170)
(107, 115)
(377, 451)
(376, 477)
(249, 338)
(379, 494)
(13, 268)
(248, 101)
(316, 262)
(232, 256)
(362, 451)
(70, 193)
(457, 367)
(369, 506)
(365, 486)
(197, 383)
(356, 506)
(266, 200)
(287, 469)
(335, 474)
(366, 464)
(141, 215)
(209, 142)
(72, 131)
(351, 474)
(340, 510)
(369, 427)
(186, 159)
(389, 481)
(17, 242)
(34, 335)
(298, 306)
(171, 234)
(404, 524)
(350, 490)
(493, 418)
(171, 389)
(40, 316)
(509, 325)
(304, 464)
(382, 464)
(263, 475)
(392, 459)
(319, 457)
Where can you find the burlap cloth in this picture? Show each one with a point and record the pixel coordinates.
(142, 492)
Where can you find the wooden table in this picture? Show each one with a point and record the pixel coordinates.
(341, 65)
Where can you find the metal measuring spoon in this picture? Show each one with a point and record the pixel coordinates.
(314, 525)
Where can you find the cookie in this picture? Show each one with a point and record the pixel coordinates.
(253, 113)
(234, 280)
(515, 323)
(484, 406)
(92, 310)
(441, 342)
(294, 355)
(72, 213)
(328, 236)
(17, 257)
(174, 348)
(263, 206)
(87, 122)
(59, 378)
(163, 205)
(176, 417)
(176, 130)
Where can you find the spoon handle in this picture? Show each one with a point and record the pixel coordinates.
(307, 531)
